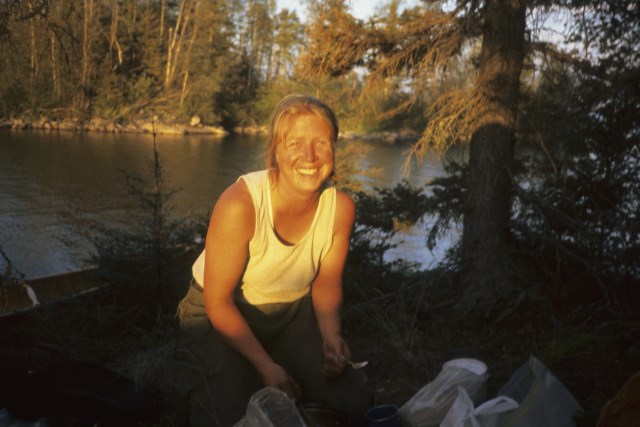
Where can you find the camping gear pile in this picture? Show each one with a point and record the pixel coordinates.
(88, 394)
(531, 397)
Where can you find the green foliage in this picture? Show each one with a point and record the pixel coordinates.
(201, 99)
(574, 218)
(445, 202)
(145, 86)
(269, 95)
(234, 104)
(14, 99)
(113, 87)
(10, 277)
(380, 216)
(412, 117)
(578, 202)
(233, 62)
(152, 249)
(339, 93)
(575, 232)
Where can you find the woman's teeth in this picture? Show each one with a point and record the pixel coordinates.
(307, 171)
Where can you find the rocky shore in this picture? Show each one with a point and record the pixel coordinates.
(194, 127)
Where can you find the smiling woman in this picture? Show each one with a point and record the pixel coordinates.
(264, 305)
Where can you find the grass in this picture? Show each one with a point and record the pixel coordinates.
(405, 335)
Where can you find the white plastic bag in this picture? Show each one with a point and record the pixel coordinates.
(490, 414)
(429, 406)
(270, 407)
(493, 412)
(461, 412)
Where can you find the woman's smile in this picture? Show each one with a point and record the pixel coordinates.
(308, 171)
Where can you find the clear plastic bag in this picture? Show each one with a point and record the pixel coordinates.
(489, 414)
(543, 400)
(461, 412)
(270, 407)
(430, 405)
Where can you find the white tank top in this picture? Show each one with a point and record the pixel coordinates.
(277, 272)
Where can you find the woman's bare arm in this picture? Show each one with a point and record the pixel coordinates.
(327, 288)
(227, 250)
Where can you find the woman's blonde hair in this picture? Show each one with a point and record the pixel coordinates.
(284, 115)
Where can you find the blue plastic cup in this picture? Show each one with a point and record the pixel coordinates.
(383, 416)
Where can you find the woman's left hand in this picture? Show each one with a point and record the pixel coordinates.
(336, 355)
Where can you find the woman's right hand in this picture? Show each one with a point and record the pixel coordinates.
(276, 376)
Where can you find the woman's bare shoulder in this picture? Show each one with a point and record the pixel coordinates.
(235, 203)
(344, 201)
(236, 192)
(345, 209)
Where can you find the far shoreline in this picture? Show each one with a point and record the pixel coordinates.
(195, 127)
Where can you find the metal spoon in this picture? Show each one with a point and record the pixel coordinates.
(358, 365)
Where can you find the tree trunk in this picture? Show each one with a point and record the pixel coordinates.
(162, 18)
(85, 100)
(86, 42)
(54, 65)
(187, 63)
(33, 47)
(176, 39)
(485, 255)
(113, 39)
(34, 55)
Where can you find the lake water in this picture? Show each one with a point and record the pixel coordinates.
(55, 185)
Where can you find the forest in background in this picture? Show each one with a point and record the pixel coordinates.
(224, 61)
(549, 261)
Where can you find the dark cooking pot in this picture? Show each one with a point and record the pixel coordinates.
(321, 416)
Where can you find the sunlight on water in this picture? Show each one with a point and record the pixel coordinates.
(54, 186)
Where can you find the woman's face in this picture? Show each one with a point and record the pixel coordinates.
(305, 155)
